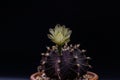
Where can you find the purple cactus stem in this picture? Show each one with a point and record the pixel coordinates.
(71, 64)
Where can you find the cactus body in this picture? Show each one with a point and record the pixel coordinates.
(71, 64)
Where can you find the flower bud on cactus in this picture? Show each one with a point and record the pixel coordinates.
(64, 62)
(60, 35)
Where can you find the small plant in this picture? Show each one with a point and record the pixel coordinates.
(63, 61)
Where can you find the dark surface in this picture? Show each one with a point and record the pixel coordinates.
(23, 34)
(14, 79)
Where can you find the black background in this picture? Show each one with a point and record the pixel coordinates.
(24, 27)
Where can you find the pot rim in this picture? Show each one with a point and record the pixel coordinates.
(95, 76)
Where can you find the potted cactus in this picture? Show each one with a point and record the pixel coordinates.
(63, 61)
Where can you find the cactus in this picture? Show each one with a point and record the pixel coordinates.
(63, 61)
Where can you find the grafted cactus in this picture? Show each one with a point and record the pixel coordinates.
(62, 61)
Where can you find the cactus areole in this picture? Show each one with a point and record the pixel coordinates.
(63, 61)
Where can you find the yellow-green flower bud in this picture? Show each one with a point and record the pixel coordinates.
(60, 34)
